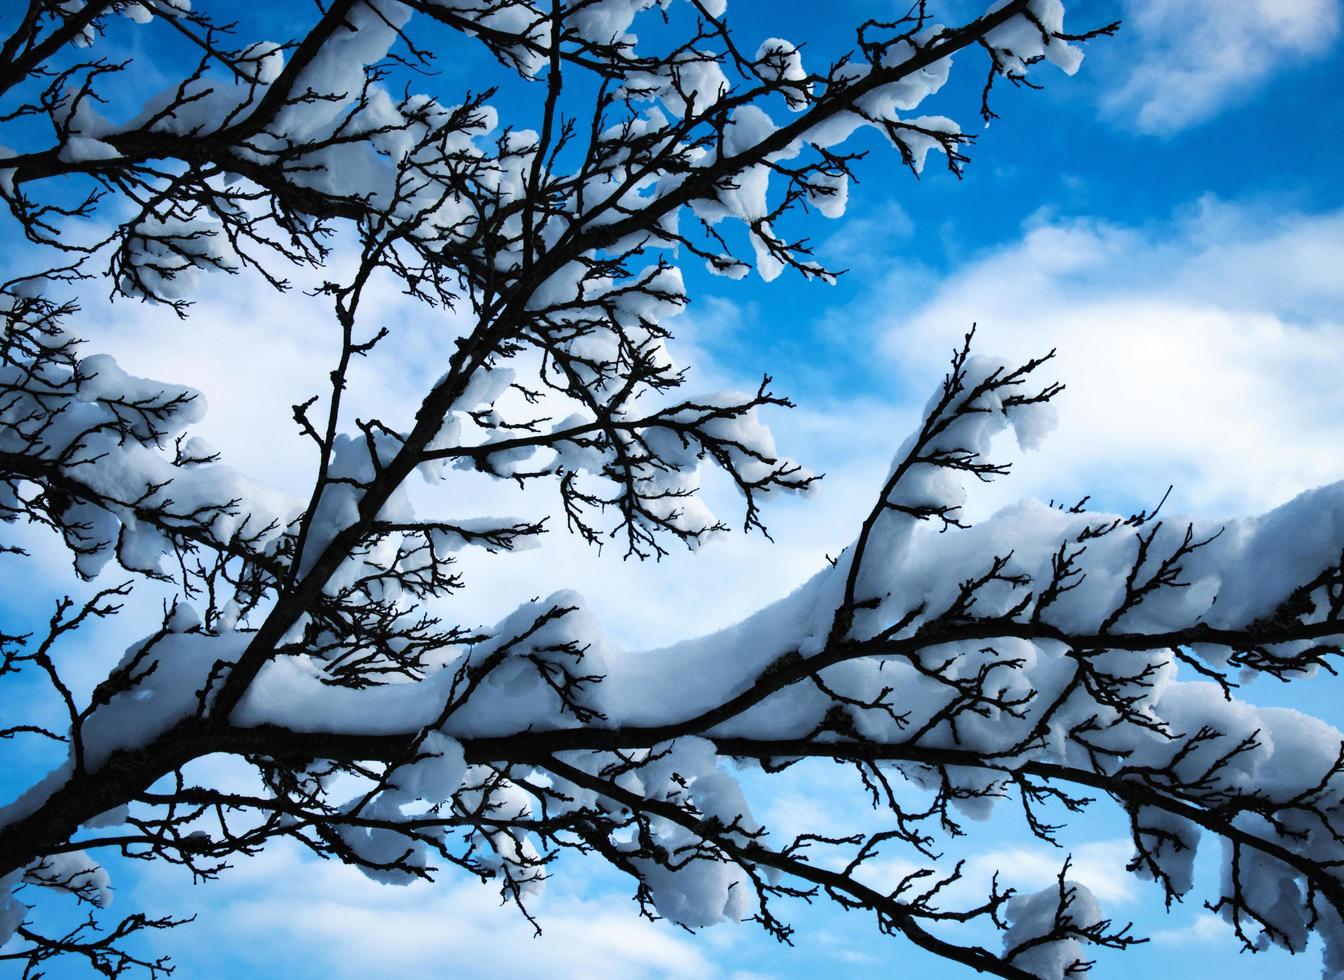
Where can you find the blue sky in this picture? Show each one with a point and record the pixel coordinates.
(1171, 219)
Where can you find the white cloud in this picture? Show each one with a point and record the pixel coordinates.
(1204, 352)
(285, 914)
(1204, 929)
(1098, 865)
(1192, 58)
(254, 353)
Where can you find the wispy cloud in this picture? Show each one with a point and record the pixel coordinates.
(1202, 351)
(1098, 865)
(351, 926)
(1203, 929)
(1190, 59)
